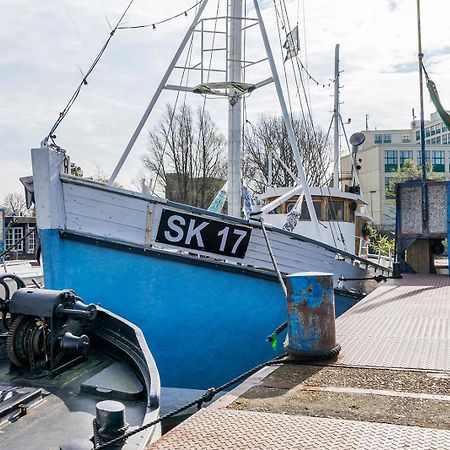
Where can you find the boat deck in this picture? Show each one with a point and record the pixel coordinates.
(388, 389)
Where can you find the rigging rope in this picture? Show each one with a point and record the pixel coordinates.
(154, 24)
(83, 82)
(65, 111)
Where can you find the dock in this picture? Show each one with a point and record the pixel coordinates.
(388, 389)
(25, 269)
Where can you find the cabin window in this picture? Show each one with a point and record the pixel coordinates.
(336, 210)
(390, 160)
(438, 161)
(305, 213)
(406, 155)
(290, 207)
(276, 210)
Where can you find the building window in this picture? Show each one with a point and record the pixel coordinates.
(336, 210)
(389, 189)
(417, 135)
(438, 161)
(406, 155)
(433, 140)
(14, 235)
(433, 130)
(378, 139)
(390, 160)
(427, 132)
(406, 139)
(419, 157)
(438, 128)
(31, 241)
(444, 139)
(438, 139)
(386, 138)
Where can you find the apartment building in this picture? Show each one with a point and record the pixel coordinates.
(385, 152)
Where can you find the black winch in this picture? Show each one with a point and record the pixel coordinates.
(47, 330)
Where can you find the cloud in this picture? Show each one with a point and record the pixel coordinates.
(42, 49)
(392, 4)
(408, 67)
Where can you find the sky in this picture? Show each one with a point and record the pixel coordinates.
(46, 47)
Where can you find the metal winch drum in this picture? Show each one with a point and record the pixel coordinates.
(46, 328)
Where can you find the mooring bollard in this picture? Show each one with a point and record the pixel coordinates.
(311, 316)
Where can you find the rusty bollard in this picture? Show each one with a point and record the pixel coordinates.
(311, 316)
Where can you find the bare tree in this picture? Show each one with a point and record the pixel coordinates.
(270, 134)
(186, 156)
(14, 205)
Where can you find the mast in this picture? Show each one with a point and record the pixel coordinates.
(336, 118)
(422, 119)
(234, 75)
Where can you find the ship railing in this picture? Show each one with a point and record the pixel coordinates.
(364, 252)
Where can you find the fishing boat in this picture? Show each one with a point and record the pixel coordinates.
(72, 375)
(202, 285)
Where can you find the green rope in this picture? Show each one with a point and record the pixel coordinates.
(274, 340)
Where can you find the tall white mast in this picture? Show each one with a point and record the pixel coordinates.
(234, 75)
(336, 118)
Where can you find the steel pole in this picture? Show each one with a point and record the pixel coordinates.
(336, 118)
(422, 120)
(234, 71)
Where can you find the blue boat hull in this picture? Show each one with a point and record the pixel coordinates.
(204, 324)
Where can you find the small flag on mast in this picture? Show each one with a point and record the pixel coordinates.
(432, 89)
(219, 200)
(247, 201)
(292, 44)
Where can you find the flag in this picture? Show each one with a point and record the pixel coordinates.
(294, 215)
(437, 103)
(219, 200)
(247, 201)
(292, 44)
